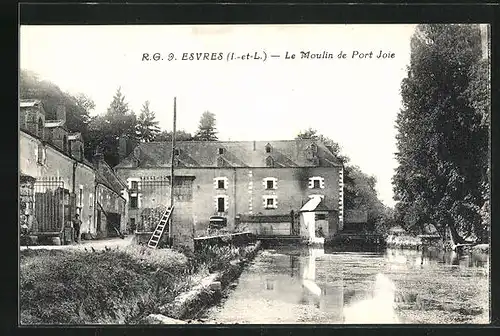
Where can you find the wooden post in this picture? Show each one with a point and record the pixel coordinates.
(172, 173)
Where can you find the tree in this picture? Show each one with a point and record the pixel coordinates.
(206, 129)
(359, 188)
(78, 107)
(333, 146)
(442, 141)
(180, 135)
(147, 125)
(106, 130)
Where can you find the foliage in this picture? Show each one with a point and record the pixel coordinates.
(113, 286)
(180, 135)
(78, 107)
(147, 125)
(206, 129)
(442, 136)
(106, 130)
(359, 188)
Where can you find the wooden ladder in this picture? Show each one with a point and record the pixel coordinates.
(160, 228)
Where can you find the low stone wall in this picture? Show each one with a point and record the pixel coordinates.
(189, 304)
(277, 229)
(235, 239)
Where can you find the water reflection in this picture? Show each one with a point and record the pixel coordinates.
(311, 285)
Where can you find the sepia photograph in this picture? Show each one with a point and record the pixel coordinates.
(254, 174)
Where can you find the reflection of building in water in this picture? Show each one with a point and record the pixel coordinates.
(326, 293)
(378, 309)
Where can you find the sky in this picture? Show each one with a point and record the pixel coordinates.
(354, 101)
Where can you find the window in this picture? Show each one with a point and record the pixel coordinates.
(220, 162)
(81, 196)
(221, 204)
(268, 148)
(316, 183)
(269, 162)
(176, 151)
(320, 216)
(41, 154)
(133, 202)
(220, 183)
(221, 151)
(270, 202)
(270, 183)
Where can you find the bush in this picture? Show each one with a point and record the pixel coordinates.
(75, 287)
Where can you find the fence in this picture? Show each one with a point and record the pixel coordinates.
(51, 205)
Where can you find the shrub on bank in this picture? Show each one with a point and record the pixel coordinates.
(114, 286)
(76, 287)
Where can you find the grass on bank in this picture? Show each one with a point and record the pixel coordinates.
(117, 286)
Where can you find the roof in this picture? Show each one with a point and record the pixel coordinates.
(284, 153)
(54, 123)
(312, 204)
(29, 102)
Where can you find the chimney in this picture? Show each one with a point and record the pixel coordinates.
(76, 146)
(254, 145)
(97, 158)
(61, 112)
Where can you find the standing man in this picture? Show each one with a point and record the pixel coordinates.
(77, 223)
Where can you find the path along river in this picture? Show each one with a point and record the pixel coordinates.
(314, 285)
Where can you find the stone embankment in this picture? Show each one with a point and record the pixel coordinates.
(189, 304)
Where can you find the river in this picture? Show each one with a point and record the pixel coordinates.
(313, 285)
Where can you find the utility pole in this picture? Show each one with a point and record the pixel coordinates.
(172, 173)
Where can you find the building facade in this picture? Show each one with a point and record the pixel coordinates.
(56, 179)
(259, 186)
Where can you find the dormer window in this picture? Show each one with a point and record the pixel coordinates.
(220, 162)
(268, 148)
(221, 151)
(269, 162)
(176, 151)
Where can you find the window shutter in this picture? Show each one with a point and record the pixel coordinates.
(311, 183)
(275, 183)
(322, 183)
(216, 203)
(276, 202)
(139, 184)
(226, 182)
(44, 155)
(264, 201)
(226, 203)
(264, 183)
(216, 181)
(139, 200)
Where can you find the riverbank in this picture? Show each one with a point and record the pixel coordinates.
(114, 286)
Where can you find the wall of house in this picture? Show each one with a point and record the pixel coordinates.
(111, 203)
(57, 164)
(244, 190)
